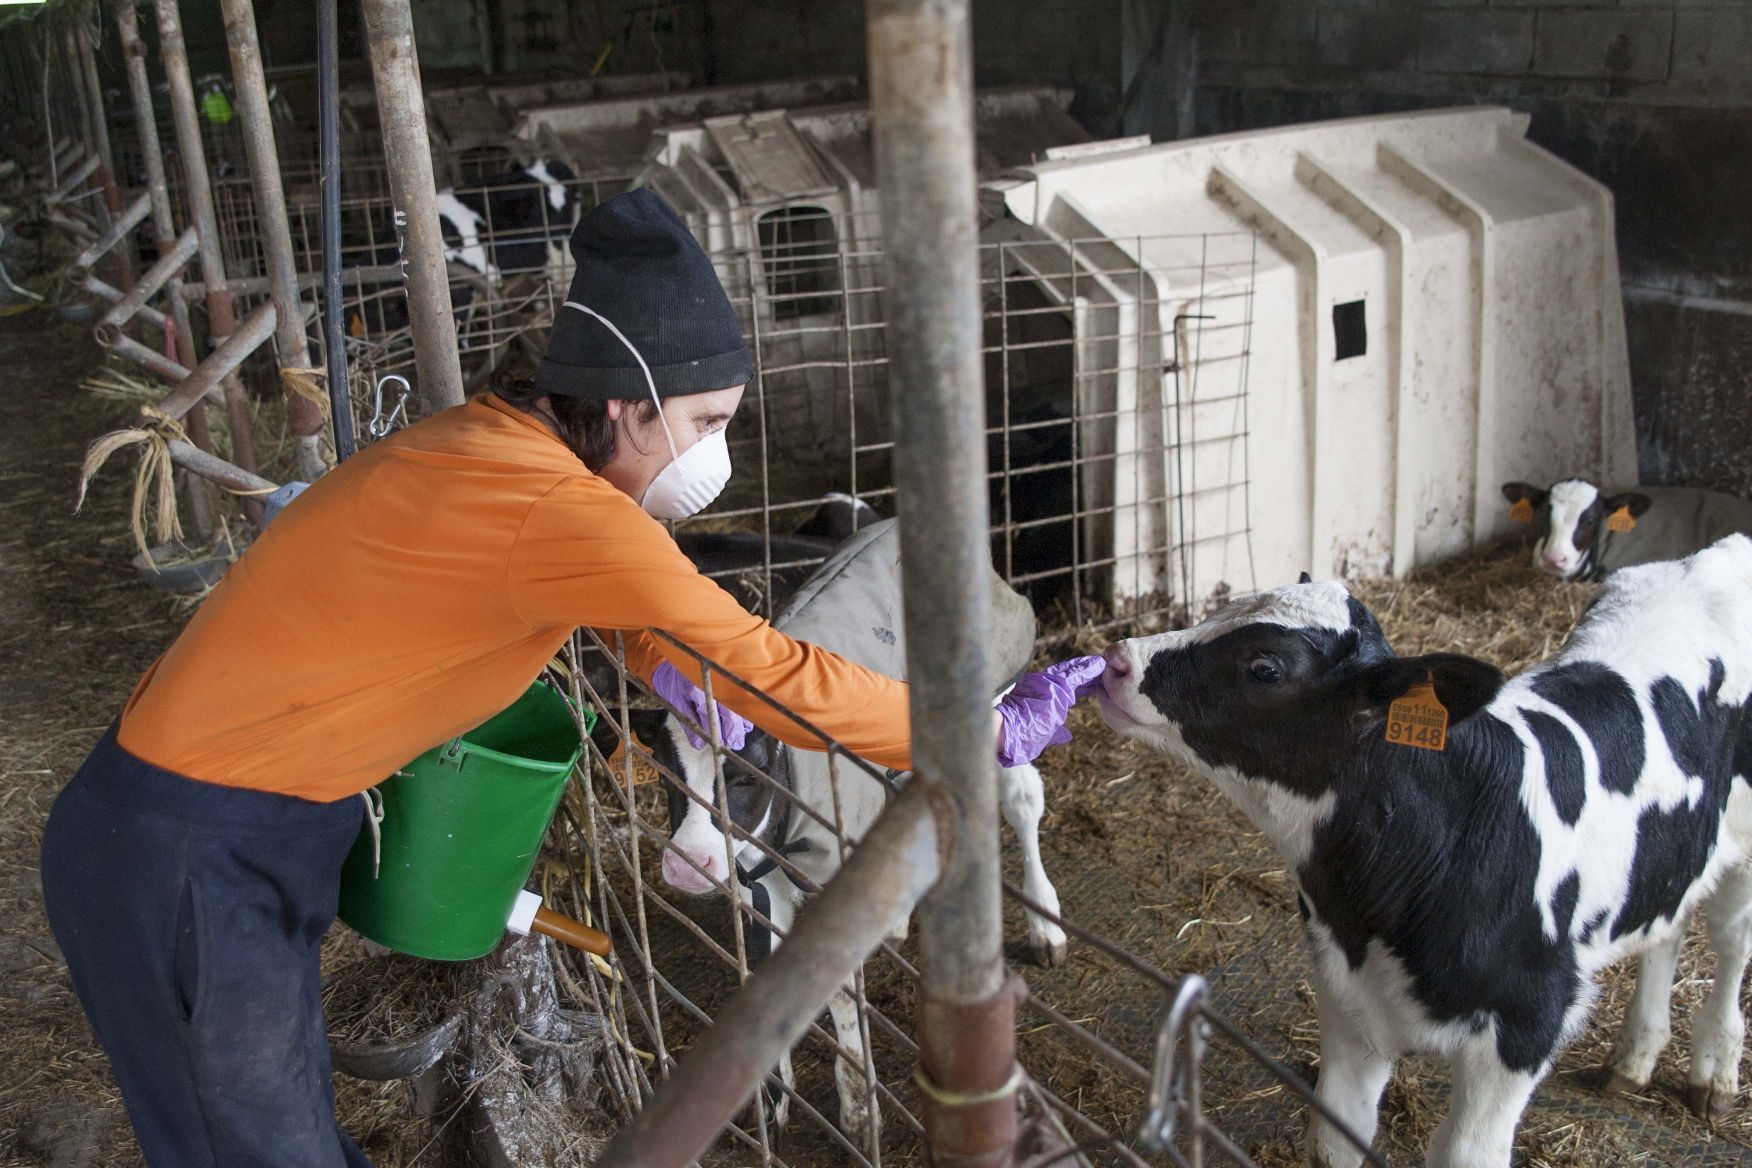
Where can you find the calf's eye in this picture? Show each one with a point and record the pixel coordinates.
(1265, 671)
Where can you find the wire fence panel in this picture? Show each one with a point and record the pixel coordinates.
(1095, 1092)
(1116, 379)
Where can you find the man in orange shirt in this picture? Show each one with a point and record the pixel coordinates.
(192, 866)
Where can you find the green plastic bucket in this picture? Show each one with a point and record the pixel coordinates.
(461, 827)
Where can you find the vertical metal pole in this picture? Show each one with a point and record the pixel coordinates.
(221, 310)
(48, 54)
(401, 109)
(106, 171)
(164, 229)
(304, 415)
(334, 336)
(921, 86)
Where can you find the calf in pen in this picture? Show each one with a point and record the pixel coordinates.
(1468, 852)
(1585, 531)
(851, 607)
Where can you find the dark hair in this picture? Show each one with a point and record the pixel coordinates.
(584, 422)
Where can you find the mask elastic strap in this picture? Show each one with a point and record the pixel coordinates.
(643, 368)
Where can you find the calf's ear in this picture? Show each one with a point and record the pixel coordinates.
(1637, 502)
(647, 727)
(1464, 685)
(1515, 492)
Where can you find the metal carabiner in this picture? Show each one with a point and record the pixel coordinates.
(380, 426)
(1175, 1086)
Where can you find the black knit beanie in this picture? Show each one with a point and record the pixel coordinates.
(640, 267)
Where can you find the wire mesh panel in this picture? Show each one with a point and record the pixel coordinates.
(1116, 382)
(1121, 1070)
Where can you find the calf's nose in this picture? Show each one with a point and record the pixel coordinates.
(1118, 660)
(677, 873)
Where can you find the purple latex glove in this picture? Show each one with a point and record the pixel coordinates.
(684, 695)
(1034, 711)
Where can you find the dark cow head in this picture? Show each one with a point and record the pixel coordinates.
(1571, 516)
(1281, 686)
(696, 836)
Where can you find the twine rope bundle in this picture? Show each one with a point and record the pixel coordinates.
(154, 482)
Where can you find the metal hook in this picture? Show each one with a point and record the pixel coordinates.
(380, 426)
(1174, 1087)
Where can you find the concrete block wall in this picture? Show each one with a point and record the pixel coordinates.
(1659, 52)
(1016, 42)
(1651, 97)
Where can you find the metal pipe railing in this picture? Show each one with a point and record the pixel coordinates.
(231, 477)
(921, 89)
(71, 181)
(68, 223)
(114, 295)
(152, 157)
(222, 362)
(328, 84)
(196, 494)
(151, 280)
(256, 285)
(892, 867)
(86, 54)
(221, 309)
(402, 112)
(130, 218)
(304, 416)
(152, 361)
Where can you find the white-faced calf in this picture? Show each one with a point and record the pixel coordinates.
(1585, 531)
(851, 606)
(1465, 869)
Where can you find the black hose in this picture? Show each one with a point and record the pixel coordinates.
(334, 336)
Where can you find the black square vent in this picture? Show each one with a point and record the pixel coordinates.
(1350, 330)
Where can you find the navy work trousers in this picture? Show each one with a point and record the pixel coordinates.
(190, 915)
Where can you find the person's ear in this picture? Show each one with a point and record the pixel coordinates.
(613, 408)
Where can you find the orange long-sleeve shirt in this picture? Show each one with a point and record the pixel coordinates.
(416, 590)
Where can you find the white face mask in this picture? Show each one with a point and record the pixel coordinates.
(694, 477)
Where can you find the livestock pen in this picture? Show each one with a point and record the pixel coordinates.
(1158, 878)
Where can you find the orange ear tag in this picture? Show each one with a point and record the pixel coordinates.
(1620, 520)
(1522, 511)
(1418, 719)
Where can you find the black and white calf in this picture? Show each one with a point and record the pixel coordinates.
(1459, 900)
(851, 606)
(516, 222)
(1579, 539)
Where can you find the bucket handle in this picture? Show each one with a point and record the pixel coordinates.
(453, 753)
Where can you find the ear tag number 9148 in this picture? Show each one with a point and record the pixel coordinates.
(1418, 718)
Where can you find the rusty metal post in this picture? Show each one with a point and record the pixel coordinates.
(303, 415)
(898, 859)
(221, 309)
(164, 229)
(401, 109)
(921, 88)
(106, 171)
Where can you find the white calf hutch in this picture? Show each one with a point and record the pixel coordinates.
(1433, 308)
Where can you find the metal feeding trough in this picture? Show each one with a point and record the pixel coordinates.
(185, 570)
